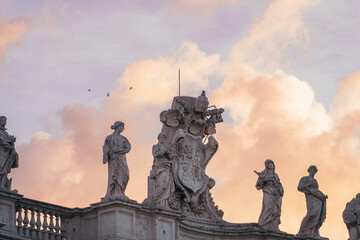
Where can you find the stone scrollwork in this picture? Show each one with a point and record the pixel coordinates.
(189, 144)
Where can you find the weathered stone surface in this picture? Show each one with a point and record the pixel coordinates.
(315, 204)
(351, 217)
(273, 191)
(8, 157)
(114, 154)
(178, 180)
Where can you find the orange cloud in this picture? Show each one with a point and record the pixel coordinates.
(283, 121)
(10, 33)
(68, 170)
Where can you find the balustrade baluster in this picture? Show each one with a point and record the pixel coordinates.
(51, 226)
(19, 220)
(57, 223)
(38, 224)
(26, 222)
(57, 227)
(32, 223)
(45, 226)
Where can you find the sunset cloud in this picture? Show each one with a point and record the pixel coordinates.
(269, 113)
(281, 26)
(11, 32)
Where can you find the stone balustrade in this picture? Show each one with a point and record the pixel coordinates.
(38, 222)
(25, 218)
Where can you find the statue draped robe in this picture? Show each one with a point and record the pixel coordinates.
(351, 216)
(164, 184)
(114, 150)
(315, 205)
(8, 157)
(272, 199)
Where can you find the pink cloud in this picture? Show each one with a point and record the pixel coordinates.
(11, 33)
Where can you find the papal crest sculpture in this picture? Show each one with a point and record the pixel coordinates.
(178, 180)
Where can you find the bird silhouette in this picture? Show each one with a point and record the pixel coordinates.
(130, 88)
(108, 94)
(89, 90)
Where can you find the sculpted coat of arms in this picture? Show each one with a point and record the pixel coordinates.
(178, 180)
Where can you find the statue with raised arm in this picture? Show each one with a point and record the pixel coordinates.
(315, 205)
(8, 157)
(114, 153)
(351, 216)
(273, 192)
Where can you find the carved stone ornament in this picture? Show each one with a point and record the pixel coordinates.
(187, 125)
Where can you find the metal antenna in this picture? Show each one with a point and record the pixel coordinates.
(179, 82)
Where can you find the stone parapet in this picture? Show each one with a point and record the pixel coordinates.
(116, 219)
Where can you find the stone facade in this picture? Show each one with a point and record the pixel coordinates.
(115, 220)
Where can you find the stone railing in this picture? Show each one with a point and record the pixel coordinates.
(38, 220)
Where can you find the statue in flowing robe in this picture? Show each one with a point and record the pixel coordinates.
(351, 216)
(315, 205)
(8, 157)
(273, 192)
(114, 153)
(161, 172)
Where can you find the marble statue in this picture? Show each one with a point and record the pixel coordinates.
(315, 204)
(115, 149)
(351, 216)
(178, 180)
(273, 192)
(8, 157)
(161, 173)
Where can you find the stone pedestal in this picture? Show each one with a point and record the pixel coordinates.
(7, 209)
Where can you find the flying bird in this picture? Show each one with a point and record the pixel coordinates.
(89, 90)
(108, 94)
(130, 88)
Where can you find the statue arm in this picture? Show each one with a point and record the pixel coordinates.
(106, 150)
(305, 187)
(159, 151)
(261, 180)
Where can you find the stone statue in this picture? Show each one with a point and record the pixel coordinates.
(114, 150)
(8, 157)
(351, 216)
(315, 204)
(178, 180)
(161, 173)
(273, 192)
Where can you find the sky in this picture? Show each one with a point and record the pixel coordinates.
(286, 73)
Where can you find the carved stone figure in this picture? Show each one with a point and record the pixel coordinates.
(8, 157)
(273, 192)
(351, 216)
(114, 150)
(161, 173)
(315, 204)
(188, 149)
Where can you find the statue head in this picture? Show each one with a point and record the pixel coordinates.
(117, 124)
(269, 164)
(162, 137)
(3, 121)
(358, 196)
(312, 170)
